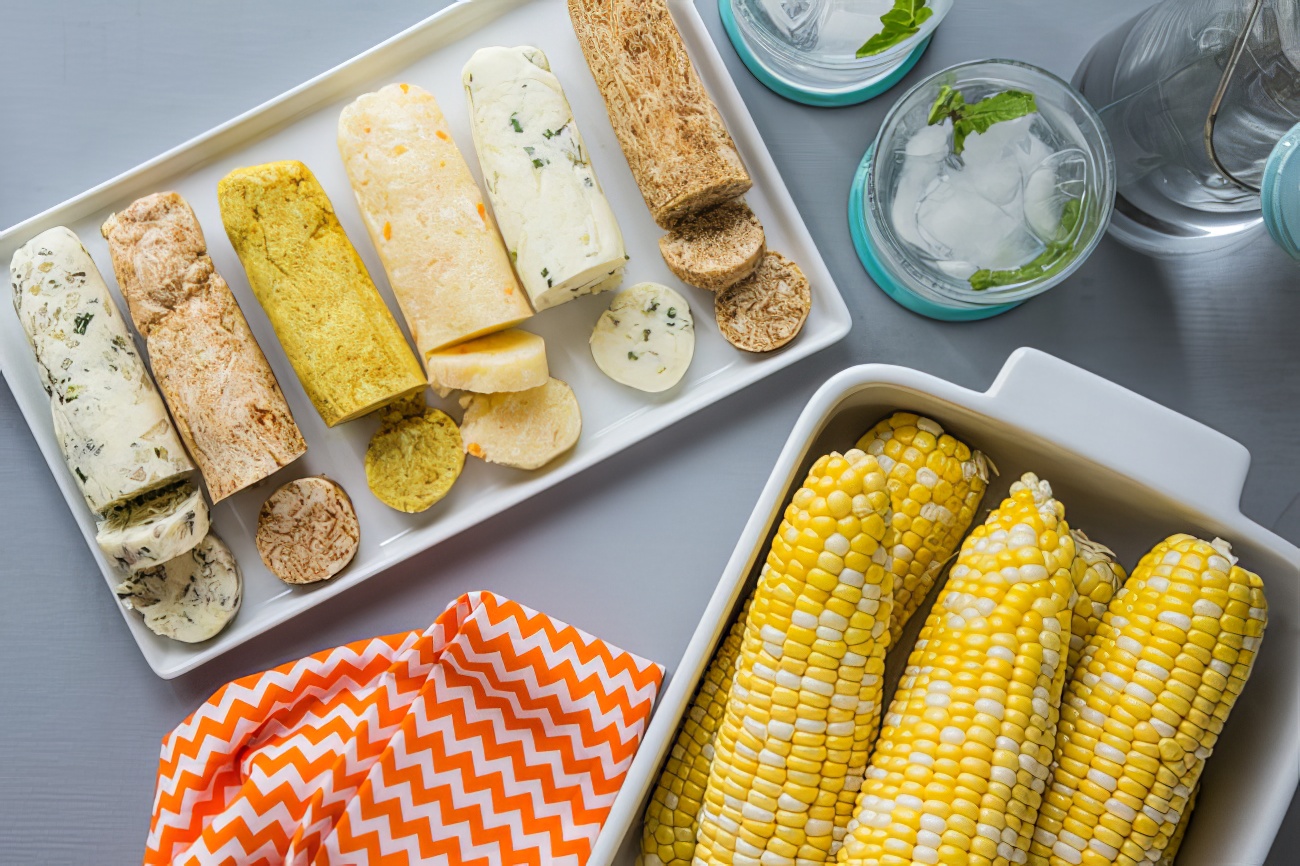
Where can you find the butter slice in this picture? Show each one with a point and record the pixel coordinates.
(511, 360)
(556, 221)
(427, 218)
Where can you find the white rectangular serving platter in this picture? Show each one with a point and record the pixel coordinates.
(1130, 473)
(301, 125)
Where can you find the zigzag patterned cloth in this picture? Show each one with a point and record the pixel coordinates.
(497, 736)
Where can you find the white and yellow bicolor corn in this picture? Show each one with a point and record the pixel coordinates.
(959, 771)
(936, 484)
(672, 817)
(1146, 706)
(804, 707)
(1097, 577)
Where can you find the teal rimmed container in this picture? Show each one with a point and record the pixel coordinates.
(795, 59)
(1280, 196)
(913, 276)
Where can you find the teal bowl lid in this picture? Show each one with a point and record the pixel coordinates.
(869, 89)
(1280, 195)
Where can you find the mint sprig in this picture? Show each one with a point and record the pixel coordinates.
(968, 118)
(901, 23)
(1050, 261)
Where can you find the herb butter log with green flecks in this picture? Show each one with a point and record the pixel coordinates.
(109, 419)
(338, 334)
(560, 230)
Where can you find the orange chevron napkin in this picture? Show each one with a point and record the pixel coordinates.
(497, 736)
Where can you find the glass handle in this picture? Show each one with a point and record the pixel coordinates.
(1238, 49)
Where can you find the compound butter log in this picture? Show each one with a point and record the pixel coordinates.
(439, 244)
(109, 421)
(675, 141)
(344, 344)
(225, 399)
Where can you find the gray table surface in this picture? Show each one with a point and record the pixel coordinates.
(90, 89)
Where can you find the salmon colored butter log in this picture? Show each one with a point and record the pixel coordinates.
(437, 239)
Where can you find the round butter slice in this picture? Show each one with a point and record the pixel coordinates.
(523, 429)
(190, 598)
(154, 528)
(646, 338)
(307, 530)
(414, 458)
(511, 360)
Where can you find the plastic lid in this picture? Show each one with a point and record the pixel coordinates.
(1280, 195)
(821, 99)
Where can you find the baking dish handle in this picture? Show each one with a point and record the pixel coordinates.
(1111, 425)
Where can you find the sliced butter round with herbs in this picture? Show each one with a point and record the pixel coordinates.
(190, 598)
(154, 528)
(510, 360)
(646, 338)
(414, 458)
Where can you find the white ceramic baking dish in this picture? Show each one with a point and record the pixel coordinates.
(1130, 472)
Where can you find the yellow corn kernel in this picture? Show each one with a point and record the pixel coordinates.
(668, 829)
(936, 484)
(815, 638)
(980, 680)
(1097, 577)
(1135, 675)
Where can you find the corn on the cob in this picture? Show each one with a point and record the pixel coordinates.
(960, 767)
(1097, 577)
(1176, 841)
(672, 817)
(1154, 687)
(805, 704)
(936, 484)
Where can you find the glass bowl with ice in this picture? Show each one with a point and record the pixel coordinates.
(989, 183)
(831, 52)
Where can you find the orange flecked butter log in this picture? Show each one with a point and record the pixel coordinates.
(344, 344)
(426, 216)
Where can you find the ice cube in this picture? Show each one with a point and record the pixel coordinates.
(994, 206)
(1054, 182)
(932, 141)
(958, 223)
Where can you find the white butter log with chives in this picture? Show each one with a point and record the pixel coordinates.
(109, 419)
(553, 215)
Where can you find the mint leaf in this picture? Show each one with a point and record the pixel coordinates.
(901, 23)
(968, 118)
(1050, 261)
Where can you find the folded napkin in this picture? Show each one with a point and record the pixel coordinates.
(497, 736)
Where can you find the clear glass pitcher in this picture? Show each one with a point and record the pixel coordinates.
(1196, 96)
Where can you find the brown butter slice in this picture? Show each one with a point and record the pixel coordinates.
(307, 530)
(767, 309)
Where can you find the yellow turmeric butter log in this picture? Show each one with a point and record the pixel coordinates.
(439, 244)
(342, 341)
